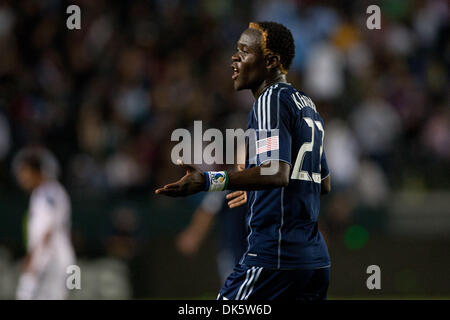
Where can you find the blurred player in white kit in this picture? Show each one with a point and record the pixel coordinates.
(49, 248)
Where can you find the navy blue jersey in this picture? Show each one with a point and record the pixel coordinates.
(282, 223)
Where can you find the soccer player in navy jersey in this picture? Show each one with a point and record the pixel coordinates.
(286, 257)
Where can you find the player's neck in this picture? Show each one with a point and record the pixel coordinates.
(40, 180)
(280, 77)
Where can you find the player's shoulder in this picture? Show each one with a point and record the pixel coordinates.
(275, 97)
(278, 91)
(282, 101)
(49, 193)
(302, 104)
(286, 95)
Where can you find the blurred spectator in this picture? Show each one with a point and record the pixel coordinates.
(5, 137)
(436, 134)
(324, 72)
(343, 154)
(372, 185)
(122, 239)
(376, 126)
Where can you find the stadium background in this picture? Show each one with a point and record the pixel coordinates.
(106, 98)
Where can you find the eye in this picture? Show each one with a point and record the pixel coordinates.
(244, 50)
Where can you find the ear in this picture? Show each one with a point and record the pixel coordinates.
(272, 61)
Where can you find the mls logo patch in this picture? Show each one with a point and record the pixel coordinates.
(218, 178)
(267, 144)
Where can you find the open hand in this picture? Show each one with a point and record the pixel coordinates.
(192, 182)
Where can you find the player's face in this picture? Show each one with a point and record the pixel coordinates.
(248, 62)
(26, 177)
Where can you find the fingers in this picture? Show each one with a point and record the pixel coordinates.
(234, 194)
(178, 188)
(238, 199)
(171, 193)
(237, 204)
(171, 190)
(167, 187)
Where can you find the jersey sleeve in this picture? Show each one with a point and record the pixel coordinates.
(274, 137)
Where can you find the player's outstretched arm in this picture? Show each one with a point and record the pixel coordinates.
(256, 179)
(251, 179)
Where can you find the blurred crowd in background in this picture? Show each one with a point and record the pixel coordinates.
(105, 99)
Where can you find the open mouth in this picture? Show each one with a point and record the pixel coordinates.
(235, 73)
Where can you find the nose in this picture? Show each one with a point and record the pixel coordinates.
(235, 57)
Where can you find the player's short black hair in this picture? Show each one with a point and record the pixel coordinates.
(32, 160)
(276, 39)
(38, 159)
